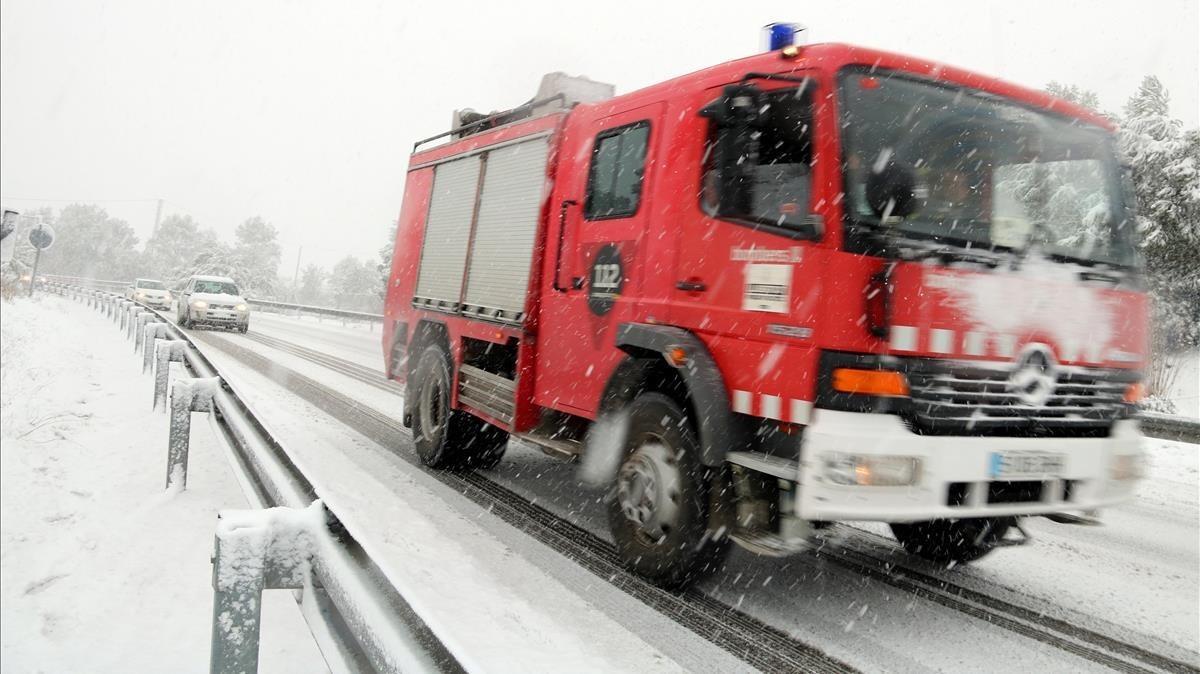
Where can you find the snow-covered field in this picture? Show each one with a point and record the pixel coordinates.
(101, 570)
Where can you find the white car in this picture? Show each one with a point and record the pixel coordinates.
(213, 301)
(150, 292)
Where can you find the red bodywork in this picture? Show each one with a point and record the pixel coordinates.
(567, 353)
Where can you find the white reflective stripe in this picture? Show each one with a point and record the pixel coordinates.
(904, 338)
(741, 401)
(941, 341)
(801, 411)
(975, 344)
(771, 407)
(1006, 345)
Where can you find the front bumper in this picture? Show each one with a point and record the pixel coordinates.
(222, 317)
(955, 478)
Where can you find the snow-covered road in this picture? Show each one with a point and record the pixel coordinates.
(1134, 580)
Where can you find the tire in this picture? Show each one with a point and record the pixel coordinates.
(185, 321)
(444, 437)
(244, 328)
(952, 541)
(658, 508)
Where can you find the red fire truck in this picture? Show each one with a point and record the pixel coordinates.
(822, 283)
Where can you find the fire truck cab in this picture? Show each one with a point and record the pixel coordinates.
(821, 283)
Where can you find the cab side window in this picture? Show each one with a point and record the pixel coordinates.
(777, 164)
(614, 187)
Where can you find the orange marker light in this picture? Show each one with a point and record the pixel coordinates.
(870, 382)
(1135, 393)
(677, 356)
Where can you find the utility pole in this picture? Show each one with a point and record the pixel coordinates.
(157, 217)
(296, 275)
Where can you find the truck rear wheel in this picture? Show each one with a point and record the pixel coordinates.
(946, 541)
(445, 437)
(658, 511)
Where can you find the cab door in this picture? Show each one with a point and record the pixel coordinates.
(596, 252)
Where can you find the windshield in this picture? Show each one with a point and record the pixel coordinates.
(986, 172)
(151, 285)
(216, 288)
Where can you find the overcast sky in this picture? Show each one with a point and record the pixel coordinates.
(305, 112)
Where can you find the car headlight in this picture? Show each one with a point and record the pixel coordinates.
(200, 304)
(139, 295)
(1125, 467)
(871, 470)
(241, 307)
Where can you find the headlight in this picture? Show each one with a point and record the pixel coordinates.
(240, 307)
(139, 295)
(873, 471)
(1125, 467)
(200, 304)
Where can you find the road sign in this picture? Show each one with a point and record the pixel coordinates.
(41, 236)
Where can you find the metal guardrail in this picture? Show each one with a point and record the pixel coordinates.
(318, 311)
(1170, 427)
(120, 286)
(359, 620)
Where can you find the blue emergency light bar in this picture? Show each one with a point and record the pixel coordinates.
(779, 35)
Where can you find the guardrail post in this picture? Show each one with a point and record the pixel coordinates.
(166, 351)
(123, 312)
(255, 550)
(139, 329)
(136, 322)
(151, 333)
(187, 396)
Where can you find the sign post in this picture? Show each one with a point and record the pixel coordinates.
(42, 237)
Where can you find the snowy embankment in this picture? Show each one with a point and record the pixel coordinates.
(102, 570)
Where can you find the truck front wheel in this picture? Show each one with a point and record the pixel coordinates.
(958, 541)
(658, 511)
(445, 437)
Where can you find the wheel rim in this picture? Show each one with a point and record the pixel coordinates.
(648, 489)
(431, 410)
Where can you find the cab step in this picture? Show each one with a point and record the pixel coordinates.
(562, 448)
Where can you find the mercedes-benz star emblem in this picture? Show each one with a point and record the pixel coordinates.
(1035, 375)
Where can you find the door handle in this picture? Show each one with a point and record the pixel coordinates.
(691, 286)
(562, 235)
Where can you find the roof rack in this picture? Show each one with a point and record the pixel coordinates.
(519, 112)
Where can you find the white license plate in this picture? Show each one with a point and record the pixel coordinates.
(1026, 464)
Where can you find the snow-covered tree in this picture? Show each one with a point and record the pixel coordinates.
(312, 285)
(256, 255)
(172, 250)
(89, 242)
(1166, 179)
(354, 284)
(385, 260)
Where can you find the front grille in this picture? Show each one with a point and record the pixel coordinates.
(1014, 492)
(956, 398)
(222, 307)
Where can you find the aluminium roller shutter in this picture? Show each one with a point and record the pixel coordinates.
(514, 186)
(448, 231)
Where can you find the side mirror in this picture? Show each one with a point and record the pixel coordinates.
(737, 117)
(892, 191)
